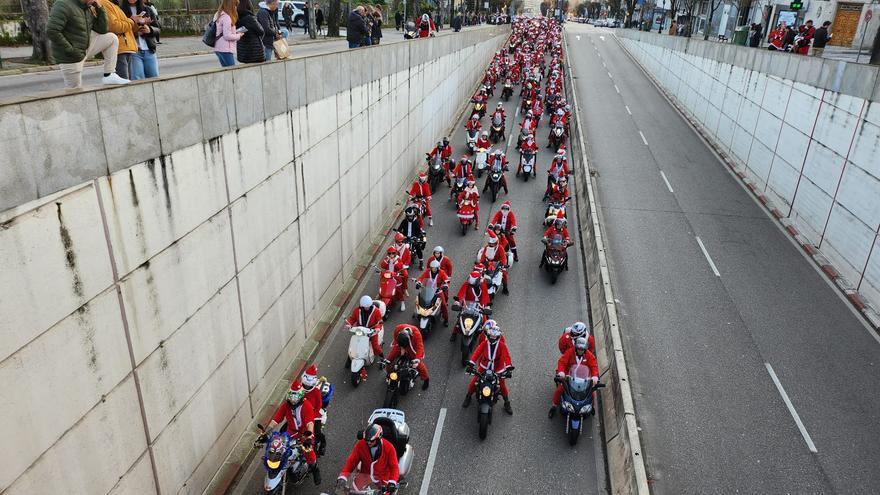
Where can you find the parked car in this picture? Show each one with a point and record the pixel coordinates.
(299, 17)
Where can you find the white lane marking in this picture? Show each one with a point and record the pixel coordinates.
(627, 109)
(643, 138)
(578, 37)
(708, 258)
(794, 414)
(601, 37)
(432, 456)
(603, 65)
(609, 75)
(515, 115)
(668, 185)
(509, 141)
(616, 89)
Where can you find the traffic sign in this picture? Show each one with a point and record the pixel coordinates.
(868, 15)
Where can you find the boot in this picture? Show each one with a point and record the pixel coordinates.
(507, 408)
(551, 412)
(504, 290)
(452, 337)
(316, 474)
(425, 384)
(467, 401)
(445, 322)
(515, 256)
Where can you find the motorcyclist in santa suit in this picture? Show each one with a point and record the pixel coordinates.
(408, 342)
(300, 417)
(421, 191)
(506, 219)
(445, 263)
(473, 290)
(493, 253)
(435, 273)
(577, 355)
(376, 460)
(366, 314)
(574, 332)
(490, 354)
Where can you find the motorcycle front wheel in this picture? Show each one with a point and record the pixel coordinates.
(483, 420)
(390, 399)
(355, 378)
(464, 228)
(574, 434)
(526, 176)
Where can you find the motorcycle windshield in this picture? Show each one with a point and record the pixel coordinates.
(579, 381)
(471, 308)
(496, 167)
(497, 121)
(556, 242)
(426, 297)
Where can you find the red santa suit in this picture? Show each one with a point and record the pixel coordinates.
(501, 112)
(425, 25)
(441, 281)
(559, 194)
(463, 169)
(493, 254)
(508, 222)
(569, 359)
(415, 349)
(566, 342)
(298, 419)
(420, 190)
(371, 318)
(550, 232)
(490, 356)
(483, 142)
(471, 194)
(400, 266)
(468, 293)
(445, 264)
(379, 465)
(473, 125)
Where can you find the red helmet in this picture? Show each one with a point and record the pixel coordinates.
(399, 237)
(391, 250)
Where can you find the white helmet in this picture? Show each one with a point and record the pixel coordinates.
(578, 329)
(580, 344)
(438, 249)
(366, 301)
(434, 264)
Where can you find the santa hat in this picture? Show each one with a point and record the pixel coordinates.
(474, 276)
(493, 239)
(505, 203)
(560, 215)
(310, 376)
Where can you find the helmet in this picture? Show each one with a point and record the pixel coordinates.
(365, 302)
(471, 182)
(474, 277)
(567, 108)
(497, 228)
(445, 140)
(391, 250)
(402, 338)
(475, 117)
(563, 181)
(485, 134)
(295, 393)
(411, 211)
(560, 112)
(578, 329)
(500, 105)
(310, 377)
(529, 114)
(398, 237)
(423, 177)
(439, 144)
(434, 264)
(498, 152)
(373, 435)
(580, 344)
(493, 332)
(560, 221)
(493, 239)
(438, 249)
(505, 205)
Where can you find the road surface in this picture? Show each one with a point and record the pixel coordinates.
(523, 452)
(750, 372)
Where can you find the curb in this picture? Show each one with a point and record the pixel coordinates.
(844, 286)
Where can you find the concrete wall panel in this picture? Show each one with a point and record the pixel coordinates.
(216, 103)
(183, 126)
(129, 125)
(269, 336)
(17, 182)
(320, 168)
(274, 89)
(138, 480)
(247, 82)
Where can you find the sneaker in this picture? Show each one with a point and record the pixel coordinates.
(114, 79)
(402, 306)
(431, 221)
(507, 408)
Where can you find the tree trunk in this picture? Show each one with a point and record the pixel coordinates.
(36, 15)
(333, 16)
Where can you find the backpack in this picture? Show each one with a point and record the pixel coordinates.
(210, 37)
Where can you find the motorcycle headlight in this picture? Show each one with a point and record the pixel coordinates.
(568, 407)
(586, 409)
(273, 464)
(393, 376)
(468, 323)
(486, 391)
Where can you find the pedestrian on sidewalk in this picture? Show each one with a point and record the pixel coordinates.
(306, 11)
(152, 8)
(268, 19)
(227, 37)
(356, 27)
(757, 32)
(319, 20)
(821, 38)
(143, 63)
(368, 21)
(123, 27)
(398, 20)
(249, 48)
(287, 14)
(456, 23)
(673, 28)
(377, 26)
(78, 31)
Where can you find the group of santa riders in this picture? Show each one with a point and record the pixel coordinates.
(525, 63)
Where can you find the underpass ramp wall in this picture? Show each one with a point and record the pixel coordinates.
(167, 247)
(804, 132)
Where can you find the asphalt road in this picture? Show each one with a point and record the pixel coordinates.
(523, 452)
(34, 83)
(703, 346)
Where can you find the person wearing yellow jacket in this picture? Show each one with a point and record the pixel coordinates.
(124, 28)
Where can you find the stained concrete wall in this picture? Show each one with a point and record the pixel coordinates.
(804, 131)
(171, 244)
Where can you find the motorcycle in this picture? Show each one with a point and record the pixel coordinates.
(417, 245)
(555, 257)
(557, 135)
(480, 161)
(527, 165)
(552, 210)
(436, 172)
(389, 290)
(493, 275)
(400, 378)
(360, 352)
(577, 399)
(471, 140)
(495, 176)
(479, 108)
(466, 214)
(283, 460)
(496, 132)
(507, 91)
(488, 390)
(527, 104)
(409, 31)
(396, 431)
(524, 133)
(470, 324)
(427, 305)
(458, 184)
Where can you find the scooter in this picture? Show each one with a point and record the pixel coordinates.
(436, 172)
(469, 324)
(577, 400)
(471, 140)
(507, 91)
(458, 184)
(527, 165)
(466, 214)
(400, 378)
(557, 136)
(283, 460)
(555, 257)
(527, 104)
(479, 108)
(417, 245)
(396, 431)
(389, 290)
(480, 161)
(493, 275)
(496, 132)
(488, 390)
(495, 176)
(360, 352)
(427, 305)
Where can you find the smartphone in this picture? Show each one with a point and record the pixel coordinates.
(241, 30)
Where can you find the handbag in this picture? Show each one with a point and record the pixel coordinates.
(282, 49)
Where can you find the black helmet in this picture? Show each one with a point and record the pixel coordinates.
(411, 211)
(373, 435)
(403, 338)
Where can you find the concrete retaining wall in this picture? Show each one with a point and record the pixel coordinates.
(168, 246)
(626, 467)
(803, 132)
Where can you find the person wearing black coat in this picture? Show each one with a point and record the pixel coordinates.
(377, 27)
(456, 23)
(356, 28)
(268, 19)
(249, 47)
